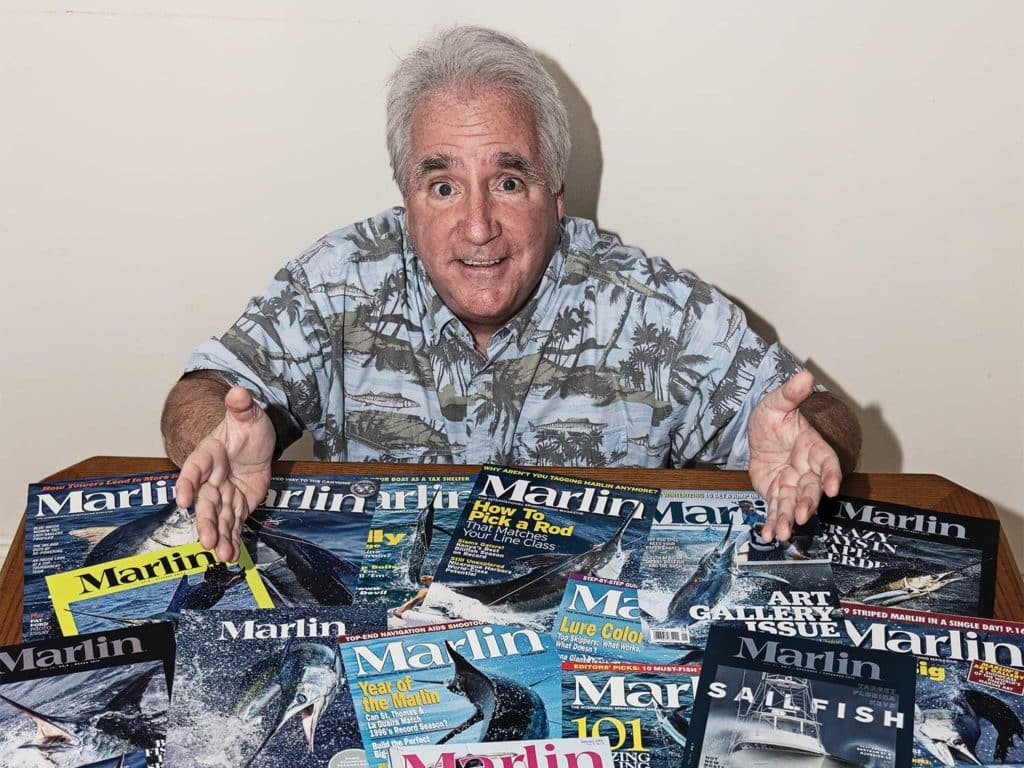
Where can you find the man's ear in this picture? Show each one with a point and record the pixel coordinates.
(560, 202)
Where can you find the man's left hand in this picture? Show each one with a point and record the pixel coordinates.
(790, 462)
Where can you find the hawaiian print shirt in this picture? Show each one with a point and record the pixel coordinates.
(618, 359)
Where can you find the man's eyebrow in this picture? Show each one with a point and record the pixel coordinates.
(513, 161)
(441, 161)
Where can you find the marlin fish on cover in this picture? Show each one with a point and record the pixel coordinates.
(299, 572)
(710, 581)
(543, 584)
(507, 710)
(422, 538)
(114, 729)
(949, 726)
(168, 526)
(901, 584)
(216, 581)
(304, 680)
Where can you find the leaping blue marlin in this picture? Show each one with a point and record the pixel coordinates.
(949, 727)
(116, 729)
(543, 585)
(315, 574)
(169, 526)
(710, 581)
(506, 709)
(303, 681)
(421, 540)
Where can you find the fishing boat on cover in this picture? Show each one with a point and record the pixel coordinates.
(779, 727)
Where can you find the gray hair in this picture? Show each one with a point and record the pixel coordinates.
(474, 57)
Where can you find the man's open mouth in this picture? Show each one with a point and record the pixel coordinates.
(480, 263)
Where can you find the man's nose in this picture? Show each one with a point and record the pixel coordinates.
(480, 225)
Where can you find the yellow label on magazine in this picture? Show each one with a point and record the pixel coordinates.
(112, 590)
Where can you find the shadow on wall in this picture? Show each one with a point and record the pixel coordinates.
(300, 450)
(583, 182)
(1013, 527)
(881, 451)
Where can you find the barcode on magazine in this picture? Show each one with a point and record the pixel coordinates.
(670, 635)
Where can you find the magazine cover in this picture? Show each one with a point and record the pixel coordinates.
(643, 709)
(789, 598)
(458, 682)
(765, 700)
(307, 538)
(414, 520)
(552, 753)
(155, 586)
(885, 554)
(970, 681)
(694, 522)
(265, 689)
(523, 533)
(95, 700)
(705, 561)
(599, 619)
(75, 523)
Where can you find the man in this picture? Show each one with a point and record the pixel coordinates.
(479, 324)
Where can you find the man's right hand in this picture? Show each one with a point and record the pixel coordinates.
(228, 473)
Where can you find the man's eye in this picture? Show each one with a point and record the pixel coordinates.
(442, 189)
(511, 185)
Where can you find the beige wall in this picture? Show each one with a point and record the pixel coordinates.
(853, 173)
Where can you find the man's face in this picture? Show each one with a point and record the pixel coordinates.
(480, 212)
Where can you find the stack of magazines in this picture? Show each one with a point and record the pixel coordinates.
(508, 619)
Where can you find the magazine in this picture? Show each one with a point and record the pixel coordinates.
(308, 537)
(970, 681)
(885, 554)
(599, 619)
(415, 517)
(643, 709)
(705, 561)
(154, 586)
(768, 700)
(265, 688)
(74, 523)
(458, 682)
(97, 699)
(523, 533)
(551, 753)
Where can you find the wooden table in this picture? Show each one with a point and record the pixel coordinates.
(925, 491)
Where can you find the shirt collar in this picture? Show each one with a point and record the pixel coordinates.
(436, 315)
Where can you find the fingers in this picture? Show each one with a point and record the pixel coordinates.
(208, 463)
(823, 461)
(208, 515)
(792, 498)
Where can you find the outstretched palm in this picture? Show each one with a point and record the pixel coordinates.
(228, 473)
(790, 462)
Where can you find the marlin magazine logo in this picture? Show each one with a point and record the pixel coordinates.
(905, 519)
(592, 497)
(91, 648)
(538, 753)
(71, 499)
(478, 642)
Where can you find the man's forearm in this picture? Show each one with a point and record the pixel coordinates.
(194, 406)
(836, 423)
